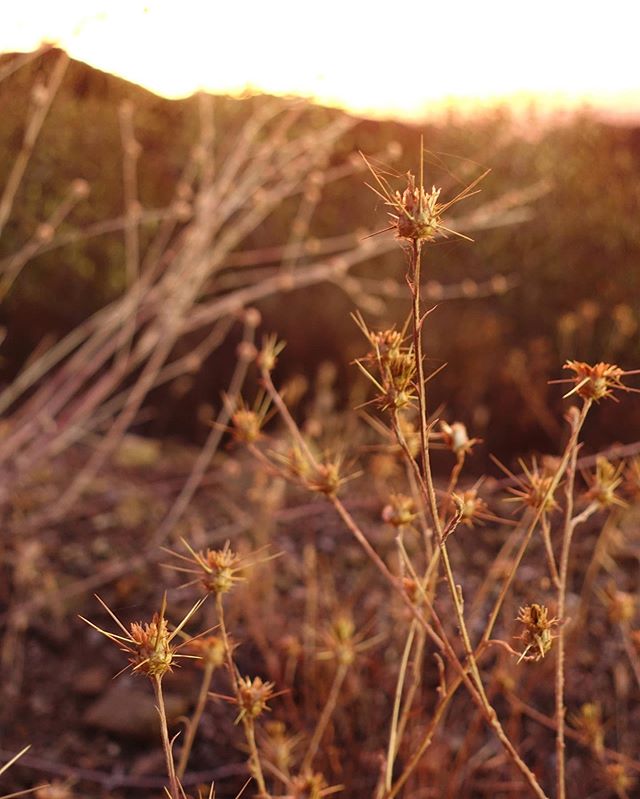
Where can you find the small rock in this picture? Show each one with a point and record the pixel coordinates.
(126, 708)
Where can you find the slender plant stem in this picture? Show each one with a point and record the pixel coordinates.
(567, 534)
(327, 712)
(546, 537)
(254, 756)
(426, 465)
(392, 748)
(451, 487)
(416, 670)
(194, 721)
(247, 722)
(424, 744)
(488, 710)
(174, 788)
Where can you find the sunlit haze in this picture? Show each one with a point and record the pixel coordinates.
(377, 58)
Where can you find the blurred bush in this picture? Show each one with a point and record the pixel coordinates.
(575, 261)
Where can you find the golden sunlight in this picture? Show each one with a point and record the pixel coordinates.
(366, 57)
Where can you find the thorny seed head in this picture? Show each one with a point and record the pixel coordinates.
(604, 482)
(588, 722)
(340, 640)
(416, 214)
(534, 489)
(219, 567)
(537, 633)
(268, 355)
(473, 509)
(210, 650)
(278, 746)
(247, 423)
(326, 478)
(389, 365)
(621, 605)
(596, 382)
(343, 642)
(320, 477)
(456, 438)
(253, 696)
(215, 569)
(154, 653)
(149, 644)
(400, 511)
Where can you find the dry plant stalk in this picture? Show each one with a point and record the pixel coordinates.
(153, 654)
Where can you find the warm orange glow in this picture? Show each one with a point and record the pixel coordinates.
(372, 57)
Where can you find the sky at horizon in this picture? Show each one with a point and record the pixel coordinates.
(366, 57)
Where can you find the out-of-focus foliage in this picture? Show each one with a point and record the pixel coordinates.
(576, 259)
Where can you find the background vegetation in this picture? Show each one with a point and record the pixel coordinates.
(150, 247)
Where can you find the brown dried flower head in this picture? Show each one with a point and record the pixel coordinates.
(536, 488)
(326, 478)
(588, 722)
(215, 569)
(537, 635)
(209, 649)
(247, 423)
(340, 640)
(149, 644)
(621, 605)
(416, 214)
(604, 483)
(322, 477)
(473, 509)
(596, 382)
(268, 355)
(277, 746)
(253, 696)
(154, 653)
(400, 511)
(343, 642)
(390, 365)
(455, 437)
